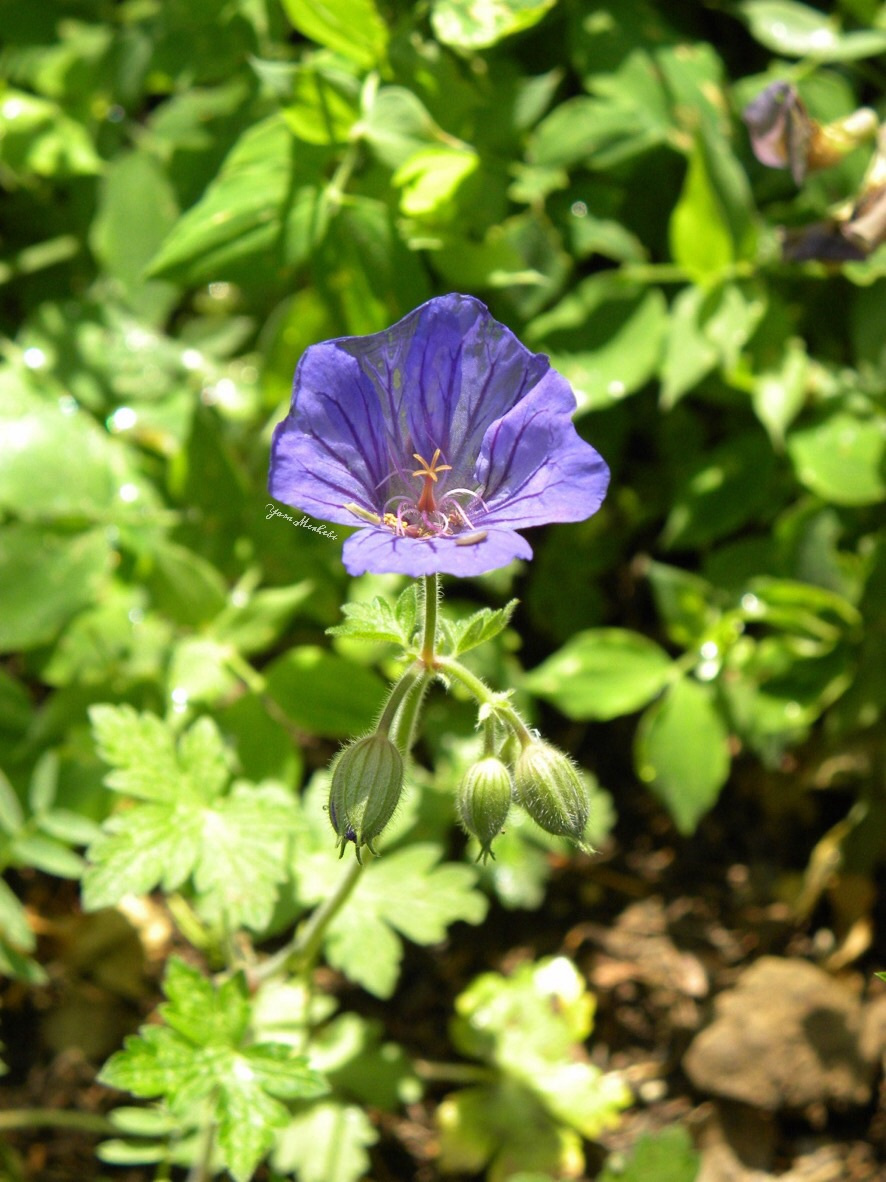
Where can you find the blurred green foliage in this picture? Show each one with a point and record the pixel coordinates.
(193, 193)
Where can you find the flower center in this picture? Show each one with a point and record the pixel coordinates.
(430, 515)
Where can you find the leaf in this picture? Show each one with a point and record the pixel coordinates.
(797, 30)
(430, 178)
(11, 816)
(699, 234)
(88, 468)
(201, 1059)
(708, 328)
(234, 845)
(605, 337)
(322, 106)
(530, 1026)
(464, 24)
(326, 1143)
(137, 209)
(667, 1156)
(353, 28)
(45, 578)
(721, 491)
(375, 620)
(602, 673)
(506, 1127)
(406, 891)
(480, 627)
(685, 601)
(841, 457)
(397, 124)
(306, 683)
(681, 751)
(779, 393)
(264, 201)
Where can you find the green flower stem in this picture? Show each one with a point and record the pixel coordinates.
(478, 689)
(33, 1118)
(429, 632)
(304, 948)
(405, 725)
(201, 1170)
(399, 695)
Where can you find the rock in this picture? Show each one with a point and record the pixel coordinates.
(787, 1035)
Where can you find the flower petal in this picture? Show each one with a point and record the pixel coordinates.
(535, 466)
(332, 448)
(382, 552)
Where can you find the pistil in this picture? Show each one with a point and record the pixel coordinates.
(426, 502)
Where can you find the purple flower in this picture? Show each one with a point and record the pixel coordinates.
(438, 438)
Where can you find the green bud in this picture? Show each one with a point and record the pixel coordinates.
(483, 801)
(367, 779)
(548, 785)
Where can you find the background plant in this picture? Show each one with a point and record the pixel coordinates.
(195, 193)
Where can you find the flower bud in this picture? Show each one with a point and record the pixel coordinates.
(483, 801)
(548, 785)
(367, 780)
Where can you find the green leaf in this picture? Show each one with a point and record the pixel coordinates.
(234, 845)
(36, 136)
(430, 178)
(11, 816)
(722, 490)
(353, 28)
(841, 456)
(685, 601)
(406, 891)
(779, 393)
(397, 124)
(797, 30)
(531, 1025)
(605, 338)
(306, 683)
(264, 203)
(200, 1060)
(505, 1127)
(184, 586)
(252, 623)
(323, 105)
(699, 233)
(44, 579)
(666, 1156)
(602, 673)
(464, 24)
(375, 620)
(480, 627)
(681, 751)
(326, 1143)
(137, 209)
(708, 328)
(14, 926)
(88, 468)
(47, 855)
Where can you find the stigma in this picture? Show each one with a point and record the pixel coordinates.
(429, 471)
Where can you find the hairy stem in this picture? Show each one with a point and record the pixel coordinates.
(429, 632)
(34, 1118)
(485, 696)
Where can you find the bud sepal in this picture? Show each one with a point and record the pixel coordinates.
(367, 782)
(550, 788)
(483, 802)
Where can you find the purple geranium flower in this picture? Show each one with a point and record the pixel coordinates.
(438, 438)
